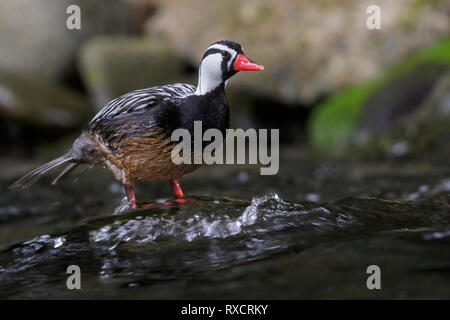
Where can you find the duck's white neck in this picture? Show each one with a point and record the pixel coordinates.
(209, 74)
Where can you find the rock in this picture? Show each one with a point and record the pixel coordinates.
(36, 102)
(309, 48)
(112, 66)
(397, 99)
(34, 38)
(390, 102)
(425, 130)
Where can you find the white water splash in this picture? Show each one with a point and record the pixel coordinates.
(204, 224)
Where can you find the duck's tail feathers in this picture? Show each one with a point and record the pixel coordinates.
(67, 170)
(38, 173)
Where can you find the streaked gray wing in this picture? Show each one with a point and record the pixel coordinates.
(142, 99)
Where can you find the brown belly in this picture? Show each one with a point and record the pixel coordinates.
(154, 169)
(141, 158)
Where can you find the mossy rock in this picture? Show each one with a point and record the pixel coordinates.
(36, 102)
(310, 49)
(34, 38)
(112, 66)
(348, 116)
(426, 133)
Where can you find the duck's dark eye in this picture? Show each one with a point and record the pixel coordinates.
(227, 59)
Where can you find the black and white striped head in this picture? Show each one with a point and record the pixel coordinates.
(222, 60)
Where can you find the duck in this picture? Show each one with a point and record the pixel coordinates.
(131, 134)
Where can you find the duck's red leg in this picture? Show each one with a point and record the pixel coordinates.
(129, 191)
(177, 193)
(176, 188)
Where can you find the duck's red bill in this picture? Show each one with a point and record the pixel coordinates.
(242, 63)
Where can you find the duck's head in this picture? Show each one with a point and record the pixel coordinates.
(222, 60)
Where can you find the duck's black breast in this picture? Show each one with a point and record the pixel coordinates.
(211, 109)
(151, 128)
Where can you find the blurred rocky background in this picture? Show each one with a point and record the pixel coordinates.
(364, 119)
(330, 83)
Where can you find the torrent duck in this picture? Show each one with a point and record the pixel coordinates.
(131, 135)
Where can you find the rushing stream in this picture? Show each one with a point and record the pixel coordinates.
(306, 233)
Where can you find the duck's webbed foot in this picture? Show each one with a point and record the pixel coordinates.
(179, 197)
(175, 202)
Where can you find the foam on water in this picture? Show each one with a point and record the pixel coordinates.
(204, 221)
(179, 242)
